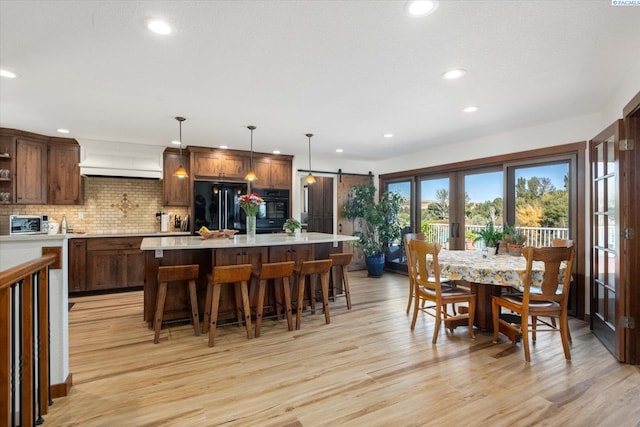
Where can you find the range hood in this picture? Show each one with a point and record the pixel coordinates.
(120, 159)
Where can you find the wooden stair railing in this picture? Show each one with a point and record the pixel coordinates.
(24, 342)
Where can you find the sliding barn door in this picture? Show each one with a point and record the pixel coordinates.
(347, 227)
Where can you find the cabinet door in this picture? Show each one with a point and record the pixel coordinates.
(280, 173)
(263, 172)
(77, 264)
(31, 172)
(206, 164)
(105, 270)
(65, 186)
(297, 253)
(235, 166)
(133, 262)
(175, 191)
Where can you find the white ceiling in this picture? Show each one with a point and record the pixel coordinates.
(347, 71)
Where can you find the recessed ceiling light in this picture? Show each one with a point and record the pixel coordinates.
(470, 109)
(454, 74)
(339, 150)
(224, 147)
(159, 27)
(276, 151)
(63, 130)
(421, 7)
(8, 74)
(388, 135)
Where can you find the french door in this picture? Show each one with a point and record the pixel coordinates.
(608, 293)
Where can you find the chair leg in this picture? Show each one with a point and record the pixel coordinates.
(157, 322)
(312, 293)
(207, 309)
(534, 324)
(215, 304)
(347, 291)
(260, 307)
(495, 313)
(524, 330)
(416, 308)
(324, 283)
(194, 307)
(301, 286)
(564, 336)
(472, 314)
(237, 294)
(436, 328)
(247, 308)
(286, 290)
(410, 297)
(278, 304)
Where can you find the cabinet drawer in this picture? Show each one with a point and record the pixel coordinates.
(113, 243)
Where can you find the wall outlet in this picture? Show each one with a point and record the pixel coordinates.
(80, 215)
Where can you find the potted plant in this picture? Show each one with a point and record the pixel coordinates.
(515, 240)
(379, 223)
(491, 236)
(469, 238)
(291, 225)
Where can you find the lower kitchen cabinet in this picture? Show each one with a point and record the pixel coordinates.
(105, 263)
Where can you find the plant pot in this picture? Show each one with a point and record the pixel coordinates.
(503, 247)
(468, 245)
(491, 251)
(515, 250)
(375, 265)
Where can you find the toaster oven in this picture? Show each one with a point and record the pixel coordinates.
(26, 224)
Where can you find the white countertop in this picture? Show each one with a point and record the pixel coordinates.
(49, 237)
(240, 241)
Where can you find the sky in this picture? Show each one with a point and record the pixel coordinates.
(487, 186)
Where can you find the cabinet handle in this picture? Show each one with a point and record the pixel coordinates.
(340, 228)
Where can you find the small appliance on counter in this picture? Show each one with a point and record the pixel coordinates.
(54, 226)
(25, 224)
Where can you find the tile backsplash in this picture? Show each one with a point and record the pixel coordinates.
(111, 206)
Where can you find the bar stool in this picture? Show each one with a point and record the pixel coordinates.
(313, 269)
(175, 273)
(342, 261)
(238, 275)
(274, 271)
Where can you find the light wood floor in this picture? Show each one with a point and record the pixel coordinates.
(364, 369)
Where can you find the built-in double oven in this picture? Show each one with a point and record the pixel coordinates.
(273, 212)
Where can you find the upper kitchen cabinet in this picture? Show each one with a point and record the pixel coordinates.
(65, 184)
(218, 164)
(273, 172)
(7, 168)
(175, 191)
(43, 170)
(31, 171)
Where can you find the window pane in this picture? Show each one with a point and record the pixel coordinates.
(542, 202)
(483, 204)
(396, 249)
(434, 209)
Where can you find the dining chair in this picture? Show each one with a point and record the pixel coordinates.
(431, 296)
(407, 238)
(561, 243)
(548, 302)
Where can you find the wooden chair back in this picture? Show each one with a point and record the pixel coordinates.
(561, 243)
(341, 259)
(555, 259)
(276, 270)
(423, 250)
(315, 267)
(174, 273)
(231, 274)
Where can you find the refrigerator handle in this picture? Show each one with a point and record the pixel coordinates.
(226, 210)
(219, 210)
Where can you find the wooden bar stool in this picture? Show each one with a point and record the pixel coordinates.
(274, 271)
(342, 261)
(313, 269)
(175, 273)
(238, 275)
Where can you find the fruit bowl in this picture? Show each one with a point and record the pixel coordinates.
(217, 234)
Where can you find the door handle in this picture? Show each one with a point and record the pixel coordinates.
(455, 229)
(340, 228)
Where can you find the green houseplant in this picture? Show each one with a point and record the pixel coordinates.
(291, 225)
(379, 222)
(490, 234)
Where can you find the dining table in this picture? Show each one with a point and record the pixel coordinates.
(487, 275)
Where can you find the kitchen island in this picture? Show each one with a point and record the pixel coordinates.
(264, 248)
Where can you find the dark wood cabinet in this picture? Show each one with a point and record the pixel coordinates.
(7, 156)
(273, 172)
(31, 172)
(175, 191)
(215, 164)
(64, 181)
(77, 264)
(297, 253)
(105, 263)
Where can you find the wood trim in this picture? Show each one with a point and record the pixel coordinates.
(62, 389)
(632, 107)
(57, 251)
(488, 161)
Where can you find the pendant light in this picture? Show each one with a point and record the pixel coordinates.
(181, 172)
(310, 179)
(251, 175)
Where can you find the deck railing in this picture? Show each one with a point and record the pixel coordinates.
(536, 236)
(24, 342)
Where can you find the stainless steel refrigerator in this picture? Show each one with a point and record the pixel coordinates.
(215, 205)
